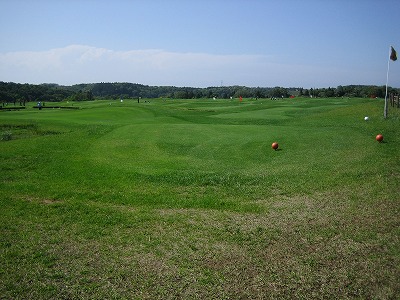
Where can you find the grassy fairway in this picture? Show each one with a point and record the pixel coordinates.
(171, 199)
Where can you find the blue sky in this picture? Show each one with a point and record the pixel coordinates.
(201, 43)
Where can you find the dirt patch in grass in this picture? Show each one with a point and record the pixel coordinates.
(46, 201)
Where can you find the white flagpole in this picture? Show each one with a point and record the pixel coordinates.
(385, 111)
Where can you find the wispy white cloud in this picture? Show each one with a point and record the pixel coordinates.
(78, 63)
(84, 64)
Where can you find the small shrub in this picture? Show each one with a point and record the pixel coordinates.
(6, 136)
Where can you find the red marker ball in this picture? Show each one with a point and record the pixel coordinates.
(275, 145)
(379, 138)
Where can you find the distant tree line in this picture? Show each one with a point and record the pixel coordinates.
(21, 93)
(359, 91)
(14, 92)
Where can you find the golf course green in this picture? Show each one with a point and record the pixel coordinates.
(186, 199)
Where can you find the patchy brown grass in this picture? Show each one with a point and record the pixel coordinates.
(327, 245)
(42, 200)
(304, 247)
